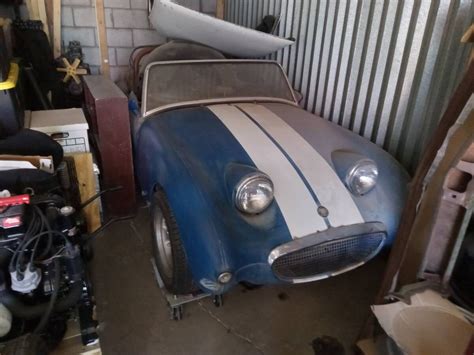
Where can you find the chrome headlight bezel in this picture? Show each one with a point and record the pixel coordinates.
(241, 200)
(364, 168)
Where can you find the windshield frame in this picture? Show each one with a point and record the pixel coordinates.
(146, 112)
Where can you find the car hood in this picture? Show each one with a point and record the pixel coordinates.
(386, 201)
(295, 149)
(308, 191)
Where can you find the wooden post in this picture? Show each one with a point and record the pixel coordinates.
(33, 11)
(220, 9)
(44, 17)
(57, 28)
(49, 16)
(468, 37)
(104, 49)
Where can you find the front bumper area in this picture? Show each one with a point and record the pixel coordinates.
(327, 253)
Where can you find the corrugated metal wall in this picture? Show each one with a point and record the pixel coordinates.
(384, 69)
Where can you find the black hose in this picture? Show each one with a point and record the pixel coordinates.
(105, 226)
(96, 196)
(38, 223)
(34, 238)
(44, 310)
(23, 311)
(33, 228)
(33, 252)
(50, 237)
(54, 296)
(32, 257)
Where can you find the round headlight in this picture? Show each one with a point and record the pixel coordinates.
(362, 177)
(254, 193)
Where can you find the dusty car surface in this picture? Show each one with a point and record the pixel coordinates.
(245, 186)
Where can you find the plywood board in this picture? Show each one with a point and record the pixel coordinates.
(72, 343)
(87, 188)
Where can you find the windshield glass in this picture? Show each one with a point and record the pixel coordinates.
(175, 82)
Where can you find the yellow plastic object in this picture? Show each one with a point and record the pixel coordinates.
(12, 79)
(72, 70)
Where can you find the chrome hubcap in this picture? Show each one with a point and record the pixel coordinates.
(163, 243)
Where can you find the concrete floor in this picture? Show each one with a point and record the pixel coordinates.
(134, 318)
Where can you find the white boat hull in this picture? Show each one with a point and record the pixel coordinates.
(178, 22)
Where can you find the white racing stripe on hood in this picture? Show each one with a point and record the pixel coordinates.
(324, 181)
(297, 206)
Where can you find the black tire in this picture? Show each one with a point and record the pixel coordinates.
(181, 281)
(29, 344)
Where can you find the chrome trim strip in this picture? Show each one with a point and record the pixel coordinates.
(329, 235)
(145, 112)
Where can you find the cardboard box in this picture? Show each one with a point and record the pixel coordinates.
(8, 162)
(68, 127)
(429, 324)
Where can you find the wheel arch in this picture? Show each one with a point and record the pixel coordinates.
(207, 254)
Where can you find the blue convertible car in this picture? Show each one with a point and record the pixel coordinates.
(245, 186)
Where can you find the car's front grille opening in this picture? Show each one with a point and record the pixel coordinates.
(327, 258)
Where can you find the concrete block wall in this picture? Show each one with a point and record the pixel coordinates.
(127, 27)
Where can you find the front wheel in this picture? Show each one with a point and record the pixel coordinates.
(168, 250)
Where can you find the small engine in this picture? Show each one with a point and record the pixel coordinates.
(42, 275)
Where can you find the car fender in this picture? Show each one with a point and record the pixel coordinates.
(169, 172)
(218, 238)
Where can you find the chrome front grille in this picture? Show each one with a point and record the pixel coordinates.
(327, 258)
